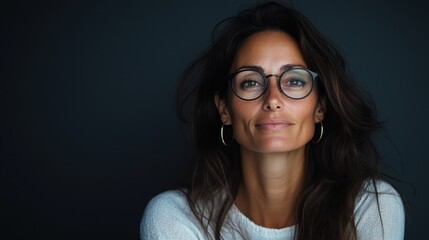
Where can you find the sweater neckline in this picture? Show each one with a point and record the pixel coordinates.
(247, 223)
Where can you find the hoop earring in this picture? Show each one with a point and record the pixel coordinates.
(221, 136)
(321, 134)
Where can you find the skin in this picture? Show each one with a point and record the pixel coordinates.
(272, 132)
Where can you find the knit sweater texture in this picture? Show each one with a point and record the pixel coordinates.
(168, 216)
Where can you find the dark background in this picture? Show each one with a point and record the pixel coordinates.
(88, 126)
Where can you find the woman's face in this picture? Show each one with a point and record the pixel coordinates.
(272, 123)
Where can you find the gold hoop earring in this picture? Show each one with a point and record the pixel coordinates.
(221, 136)
(321, 134)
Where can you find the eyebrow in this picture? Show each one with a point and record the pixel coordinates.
(260, 69)
(285, 67)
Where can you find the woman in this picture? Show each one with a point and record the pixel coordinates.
(294, 157)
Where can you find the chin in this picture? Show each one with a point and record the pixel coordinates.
(279, 147)
(277, 150)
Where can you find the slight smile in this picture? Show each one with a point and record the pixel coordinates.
(273, 124)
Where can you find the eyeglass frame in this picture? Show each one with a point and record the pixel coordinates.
(259, 70)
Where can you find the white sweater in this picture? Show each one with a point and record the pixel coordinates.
(168, 217)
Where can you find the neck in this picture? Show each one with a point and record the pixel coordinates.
(270, 187)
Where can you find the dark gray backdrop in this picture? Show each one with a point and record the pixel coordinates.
(89, 132)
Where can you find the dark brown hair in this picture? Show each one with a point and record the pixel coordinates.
(336, 168)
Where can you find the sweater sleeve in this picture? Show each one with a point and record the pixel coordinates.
(384, 219)
(167, 217)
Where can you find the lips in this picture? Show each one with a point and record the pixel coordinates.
(273, 124)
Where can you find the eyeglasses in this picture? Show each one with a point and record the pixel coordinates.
(250, 83)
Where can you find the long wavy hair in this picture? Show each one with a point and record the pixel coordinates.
(335, 168)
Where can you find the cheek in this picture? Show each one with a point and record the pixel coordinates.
(241, 110)
(243, 114)
(306, 113)
(306, 117)
(307, 126)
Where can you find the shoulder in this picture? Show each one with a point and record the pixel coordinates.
(173, 200)
(168, 216)
(378, 194)
(379, 212)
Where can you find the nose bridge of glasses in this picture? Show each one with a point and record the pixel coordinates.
(272, 75)
(274, 86)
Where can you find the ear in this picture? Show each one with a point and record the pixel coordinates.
(319, 113)
(225, 117)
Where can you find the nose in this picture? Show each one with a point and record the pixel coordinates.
(273, 98)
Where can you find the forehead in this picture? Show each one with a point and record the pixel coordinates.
(269, 50)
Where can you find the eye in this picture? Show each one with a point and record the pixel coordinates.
(295, 83)
(249, 84)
